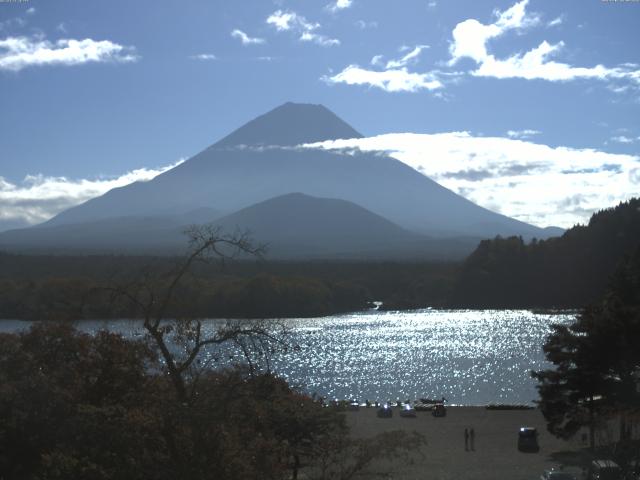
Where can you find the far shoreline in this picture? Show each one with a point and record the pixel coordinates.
(371, 311)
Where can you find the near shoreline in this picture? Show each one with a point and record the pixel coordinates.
(496, 456)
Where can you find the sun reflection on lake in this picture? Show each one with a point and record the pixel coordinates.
(467, 356)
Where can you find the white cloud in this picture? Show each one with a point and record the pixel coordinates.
(284, 21)
(555, 22)
(535, 64)
(533, 182)
(527, 133)
(203, 56)
(339, 5)
(361, 24)
(432, 4)
(246, 39)
(30, 11)
(619, 88)
(12, 23)
(319, 39)
(470, 39)
(394, 76)
(623, 139)
(38, 198)
(377, 60)
(17, 53)
(410, 57)
(307, 32)
(397, 80)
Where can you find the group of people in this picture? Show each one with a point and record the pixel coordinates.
(469, 439)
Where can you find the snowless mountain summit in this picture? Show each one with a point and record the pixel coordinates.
(291, 124)
(256, 163)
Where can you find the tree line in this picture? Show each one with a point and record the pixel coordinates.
(260, 296)
(59, 287)
(99, 407)
(563, 272)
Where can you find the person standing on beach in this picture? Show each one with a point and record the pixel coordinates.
(472, 436)
(466, 440)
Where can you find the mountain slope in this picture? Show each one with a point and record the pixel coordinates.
(290, 124)
(229, 180)
(296, 225)
(291, 226)
(151, 234)
(228, 177)
(262, 160)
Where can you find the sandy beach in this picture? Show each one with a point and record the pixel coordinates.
(495, 456)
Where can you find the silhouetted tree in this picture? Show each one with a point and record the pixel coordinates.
(79, 406)
(596, 360)
(155, 295)
(72, 403)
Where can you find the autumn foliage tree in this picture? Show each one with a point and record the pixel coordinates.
(100, 406)
(70, 403)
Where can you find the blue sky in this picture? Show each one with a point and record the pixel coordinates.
(96, 94)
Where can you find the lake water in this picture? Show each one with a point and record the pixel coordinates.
(470, 357)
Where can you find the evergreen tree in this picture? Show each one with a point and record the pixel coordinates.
(596, 360)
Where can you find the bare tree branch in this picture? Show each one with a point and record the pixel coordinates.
(153, 295)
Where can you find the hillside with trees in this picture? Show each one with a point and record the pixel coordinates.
(46, 287)
(79, 406)
(563, 272)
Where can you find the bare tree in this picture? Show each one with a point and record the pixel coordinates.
(180, 341)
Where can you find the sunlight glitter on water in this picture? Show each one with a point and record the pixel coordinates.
(469, 357)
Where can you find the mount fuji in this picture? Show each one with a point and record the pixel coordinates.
(345, 203)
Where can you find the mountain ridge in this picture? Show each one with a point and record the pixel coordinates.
(238, 172)
(296, 224)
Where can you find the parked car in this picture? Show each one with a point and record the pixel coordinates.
(385, 412)
(604, 470)
(408, 412)
(528, 439)
(557, 475)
